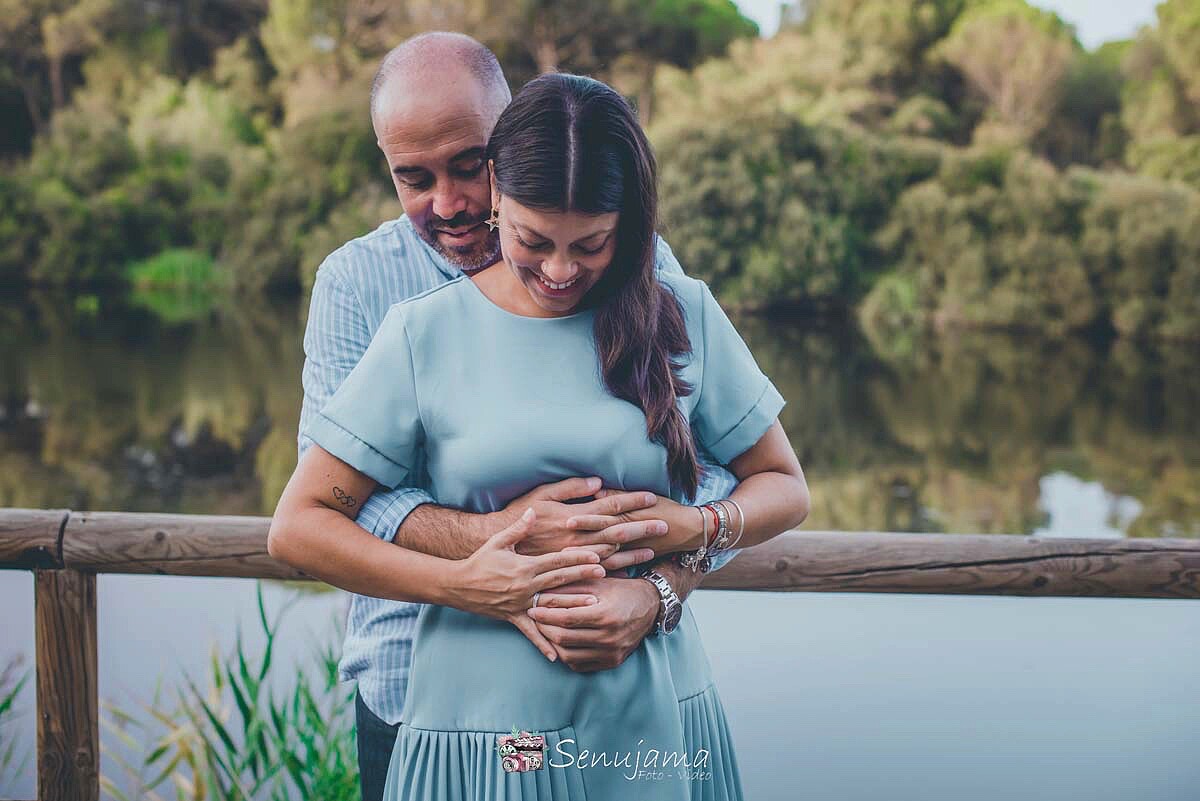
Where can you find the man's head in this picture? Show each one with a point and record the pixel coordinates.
(434, 102)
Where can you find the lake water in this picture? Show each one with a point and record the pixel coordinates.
(158, 404)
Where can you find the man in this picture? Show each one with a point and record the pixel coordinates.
(434, 102)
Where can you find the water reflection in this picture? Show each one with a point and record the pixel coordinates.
(110, 403)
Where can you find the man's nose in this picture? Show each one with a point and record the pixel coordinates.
(448, 200)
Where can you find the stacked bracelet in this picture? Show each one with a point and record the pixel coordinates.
(722, 537)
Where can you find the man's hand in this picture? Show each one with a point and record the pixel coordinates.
(552, 534)
(603, 635)
(600, 636)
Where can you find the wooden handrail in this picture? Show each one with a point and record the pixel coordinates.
(797, 561)
(66, 550)
(966, 564)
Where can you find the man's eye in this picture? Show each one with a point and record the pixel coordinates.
(471, 171)
(416, 183)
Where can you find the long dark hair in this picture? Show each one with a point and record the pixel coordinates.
(569, 143)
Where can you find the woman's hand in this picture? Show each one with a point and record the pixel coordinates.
(500, 583)
(685, 527)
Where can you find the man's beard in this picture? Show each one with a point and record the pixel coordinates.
(468, 259)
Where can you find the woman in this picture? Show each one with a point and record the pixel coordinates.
(580, 360)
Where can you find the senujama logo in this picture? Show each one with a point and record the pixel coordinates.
(653, 759)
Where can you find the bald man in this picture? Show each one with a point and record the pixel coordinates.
(434, 102)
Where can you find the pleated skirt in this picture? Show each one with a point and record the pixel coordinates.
(652, 729)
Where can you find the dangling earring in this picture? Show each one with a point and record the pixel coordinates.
(493, 222)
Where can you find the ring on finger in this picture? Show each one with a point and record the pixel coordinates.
(536, 595)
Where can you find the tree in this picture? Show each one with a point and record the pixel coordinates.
(1161, 97)
(72, 30)
(1016, 57)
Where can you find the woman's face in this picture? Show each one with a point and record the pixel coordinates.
(557, 256)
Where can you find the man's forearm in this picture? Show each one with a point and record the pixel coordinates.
(682, 579)
(448, 533)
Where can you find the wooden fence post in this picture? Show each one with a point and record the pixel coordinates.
(68, 717)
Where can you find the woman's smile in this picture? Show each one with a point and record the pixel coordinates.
(557, 290)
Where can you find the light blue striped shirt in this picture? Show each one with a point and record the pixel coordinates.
(354, 288)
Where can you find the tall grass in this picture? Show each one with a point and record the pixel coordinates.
(13, 679)
(234, 739)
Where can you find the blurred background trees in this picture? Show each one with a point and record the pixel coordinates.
(924, 162)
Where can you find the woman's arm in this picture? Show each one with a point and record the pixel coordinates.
(772, 490)
(313, 530)
(322, 499)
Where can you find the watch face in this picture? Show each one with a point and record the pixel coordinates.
(671, 619)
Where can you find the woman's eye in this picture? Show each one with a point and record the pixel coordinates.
(538, 246)
(593, 252)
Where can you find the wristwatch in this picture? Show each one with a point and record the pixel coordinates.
(670, 609)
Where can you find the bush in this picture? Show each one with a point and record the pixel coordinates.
(990, 242)
(775, 211)
(1141, 240)
(176, 268)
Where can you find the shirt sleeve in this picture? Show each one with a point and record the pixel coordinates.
(664, 258)
(736, 403)
(373, 420)
(335, 339)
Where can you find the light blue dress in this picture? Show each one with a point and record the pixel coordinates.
(494, 404)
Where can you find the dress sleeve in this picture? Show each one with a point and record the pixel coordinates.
(373, 420)
(737, 403)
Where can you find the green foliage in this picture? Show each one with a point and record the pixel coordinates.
(1141, 240)
(13, 681)
(1086, 126)
(797, 169)
(176, 268)
(1002, 240)
(988, 247)
(775, 211)
(1016, 57)
(234, 739)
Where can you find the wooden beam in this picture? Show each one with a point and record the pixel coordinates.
(179, 545)
(797, 561)
(966, 564)
(68, 718)
(29, 538)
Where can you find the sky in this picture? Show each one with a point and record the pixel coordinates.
(1095, 21)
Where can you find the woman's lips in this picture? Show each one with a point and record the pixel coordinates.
(557, 290)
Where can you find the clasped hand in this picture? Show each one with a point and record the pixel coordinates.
(591, 620)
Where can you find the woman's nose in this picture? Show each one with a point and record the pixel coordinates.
(559, 270)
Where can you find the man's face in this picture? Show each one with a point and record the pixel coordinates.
(434, 142)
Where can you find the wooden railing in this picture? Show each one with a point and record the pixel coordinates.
(65, 550)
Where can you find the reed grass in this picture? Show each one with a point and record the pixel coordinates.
(13, 757)
(247, 731)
